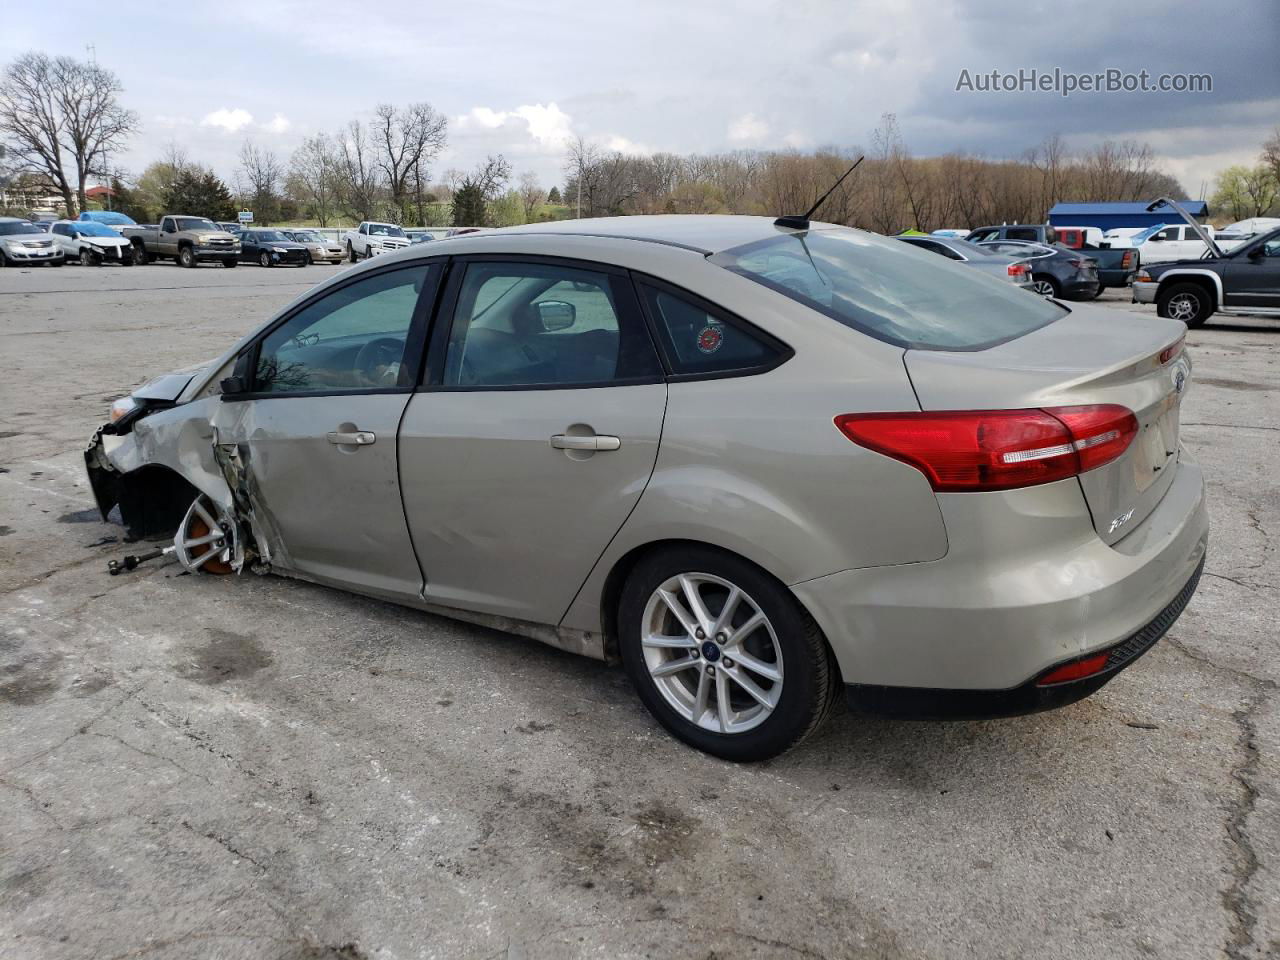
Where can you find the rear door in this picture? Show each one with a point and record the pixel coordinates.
(534, 436)
(310, 447)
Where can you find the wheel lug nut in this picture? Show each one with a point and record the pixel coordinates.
(727, 663)
(700, 634)
(721, 638)
(711, 671)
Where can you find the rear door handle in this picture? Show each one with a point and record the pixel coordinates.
(562, 442)
(358, 438)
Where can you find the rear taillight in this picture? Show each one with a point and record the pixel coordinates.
(972, 450)
(1126, 261)
(1018, 270)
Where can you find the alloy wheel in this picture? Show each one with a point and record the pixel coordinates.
(1043, 287)
(712, 653)
(1184, 307)
(205, 542)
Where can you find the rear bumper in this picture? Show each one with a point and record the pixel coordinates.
(1026, 585)
(923, 703)
(1080, 289)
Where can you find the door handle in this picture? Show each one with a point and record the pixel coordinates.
(358, 438)
(562, 442)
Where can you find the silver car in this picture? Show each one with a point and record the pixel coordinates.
(758, 465)
(320, 249)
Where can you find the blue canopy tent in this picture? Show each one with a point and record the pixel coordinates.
(109, 218)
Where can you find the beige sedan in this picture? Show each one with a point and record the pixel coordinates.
(319, 248)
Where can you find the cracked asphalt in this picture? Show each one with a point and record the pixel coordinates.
(252, 767)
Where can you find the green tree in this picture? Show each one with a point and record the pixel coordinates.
(1245, 192)
(468, 205)
(200, 194)
(553, 195)
(128, 202)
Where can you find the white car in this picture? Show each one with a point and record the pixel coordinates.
(24, 243)
(372, 238)
(92, 244)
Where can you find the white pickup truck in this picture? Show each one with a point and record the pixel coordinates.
(371, 238)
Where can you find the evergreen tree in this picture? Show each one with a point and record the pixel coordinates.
(469, 205)
(200, 194)
(553, 195)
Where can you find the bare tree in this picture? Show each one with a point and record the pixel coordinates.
(32, 123)
(582, 162)
(314, 168)
(94, 123)
(262, 172)
(532, 196)
(408, 139)
(357, 171)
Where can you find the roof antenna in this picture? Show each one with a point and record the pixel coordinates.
(802, 222)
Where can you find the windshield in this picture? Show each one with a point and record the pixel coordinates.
(1146, 234)
(269, 236)
(196, 223)
(890, 290)
(19, 227)
(87, 228)
(385, 230)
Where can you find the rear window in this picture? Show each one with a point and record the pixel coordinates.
(890, 290)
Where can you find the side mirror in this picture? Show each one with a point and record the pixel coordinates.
(233, 385)
(556, 315)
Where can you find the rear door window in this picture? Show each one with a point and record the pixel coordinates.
(1020, 233)
(699, 339)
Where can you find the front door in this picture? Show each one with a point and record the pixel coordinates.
(1253, 276)
(313, 441)
(534, 437)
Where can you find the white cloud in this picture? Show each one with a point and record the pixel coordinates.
(748, 128)
(228, 120)
(549, 125)
(277, 124)
(623, 145)
(483, 117)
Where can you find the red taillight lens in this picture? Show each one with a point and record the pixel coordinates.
(1127, 260)
(1075, 671)
(972, 450)
(1017, 269)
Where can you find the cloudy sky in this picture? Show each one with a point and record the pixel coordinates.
(522, 78)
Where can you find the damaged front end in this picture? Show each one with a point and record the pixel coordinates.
(158, 463)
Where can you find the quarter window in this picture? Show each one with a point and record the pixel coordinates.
(354, 338)
(533, 324)
(699, 340)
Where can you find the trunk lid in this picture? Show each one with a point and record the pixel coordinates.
(1090, 356)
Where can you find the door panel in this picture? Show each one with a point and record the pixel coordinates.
(331, 511)
(1255, 282)
(503, 521)
(312, 445)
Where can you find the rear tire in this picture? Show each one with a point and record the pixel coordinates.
(230, 263)
(686, 700)
(1188, 302)
(1045, 285)
(351, 252)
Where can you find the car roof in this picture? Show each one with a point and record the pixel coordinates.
(703, 233)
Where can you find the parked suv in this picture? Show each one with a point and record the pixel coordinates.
(22, 243)
(188, 240)
(1244, 281)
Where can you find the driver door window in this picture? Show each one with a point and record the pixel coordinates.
(358, 337)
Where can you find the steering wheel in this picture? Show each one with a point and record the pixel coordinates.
(378, 362)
